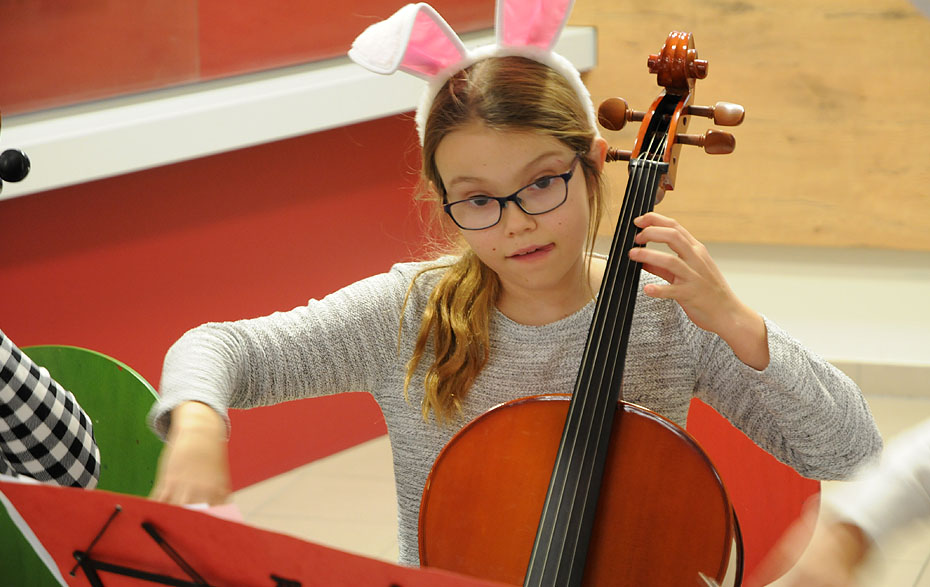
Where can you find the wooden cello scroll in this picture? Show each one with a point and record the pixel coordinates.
(587, 489)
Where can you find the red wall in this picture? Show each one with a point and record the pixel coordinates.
(244, 35)
(125, 265)
(58, 53)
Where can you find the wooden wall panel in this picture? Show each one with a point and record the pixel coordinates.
(833, 151)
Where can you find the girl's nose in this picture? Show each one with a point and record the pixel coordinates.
(516, 220)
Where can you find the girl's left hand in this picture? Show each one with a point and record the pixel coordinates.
(695, 282)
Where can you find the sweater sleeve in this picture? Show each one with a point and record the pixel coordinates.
(340, 343)
(44, 433)
(801, 409)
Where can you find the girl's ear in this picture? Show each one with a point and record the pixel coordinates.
(598, 152)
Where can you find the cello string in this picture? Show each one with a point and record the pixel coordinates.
(623, 303)
(623, 238)
(558, 507)
(608, 289)
(568, 496)
(644, 203)
(641, 201)
(630, 277)
(637, 201)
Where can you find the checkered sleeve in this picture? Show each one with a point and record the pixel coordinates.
(44, 433)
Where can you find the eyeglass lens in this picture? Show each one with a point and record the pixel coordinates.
(543, 195)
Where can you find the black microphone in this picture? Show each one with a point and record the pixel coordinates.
(14, 165)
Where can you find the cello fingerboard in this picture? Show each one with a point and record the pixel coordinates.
(559, 552)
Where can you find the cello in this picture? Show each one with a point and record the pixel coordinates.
(586, 489)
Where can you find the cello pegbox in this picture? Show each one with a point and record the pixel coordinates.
(723, 113)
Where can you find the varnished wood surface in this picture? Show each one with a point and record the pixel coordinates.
(482, 522)
(834, 150)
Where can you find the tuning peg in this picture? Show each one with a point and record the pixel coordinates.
(613, 114)
(715, 142)
(618, 155)
(723, 113)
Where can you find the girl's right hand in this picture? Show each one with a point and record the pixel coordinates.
(194, 465)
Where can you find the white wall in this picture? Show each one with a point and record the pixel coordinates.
(851, 305)
(866, 311)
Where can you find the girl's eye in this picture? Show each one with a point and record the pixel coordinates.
(479, 201)
(542, 183)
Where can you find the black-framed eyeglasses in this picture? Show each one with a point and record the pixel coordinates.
(543, 195)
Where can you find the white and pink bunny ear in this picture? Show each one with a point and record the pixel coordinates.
(531, 23)
(415, 39)
(531, 29)
(418, 41)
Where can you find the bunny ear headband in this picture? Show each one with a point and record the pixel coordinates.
(418, 41)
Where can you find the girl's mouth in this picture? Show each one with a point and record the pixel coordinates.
(533, 252)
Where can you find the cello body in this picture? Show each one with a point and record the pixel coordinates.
(663, 515)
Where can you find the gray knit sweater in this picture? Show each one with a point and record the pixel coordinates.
(800, 408)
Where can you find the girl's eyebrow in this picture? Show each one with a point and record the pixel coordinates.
(473, 179)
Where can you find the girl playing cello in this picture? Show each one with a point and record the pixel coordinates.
(512, 158)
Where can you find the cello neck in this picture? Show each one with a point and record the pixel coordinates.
(560, 549)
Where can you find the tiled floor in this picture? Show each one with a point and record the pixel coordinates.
(347, 500)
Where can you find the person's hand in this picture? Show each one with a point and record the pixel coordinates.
(194, 465)
(695, 282)
(832, 559)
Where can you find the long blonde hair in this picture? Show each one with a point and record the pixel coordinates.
(508, 94)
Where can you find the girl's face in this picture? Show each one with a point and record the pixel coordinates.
(532, 255)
